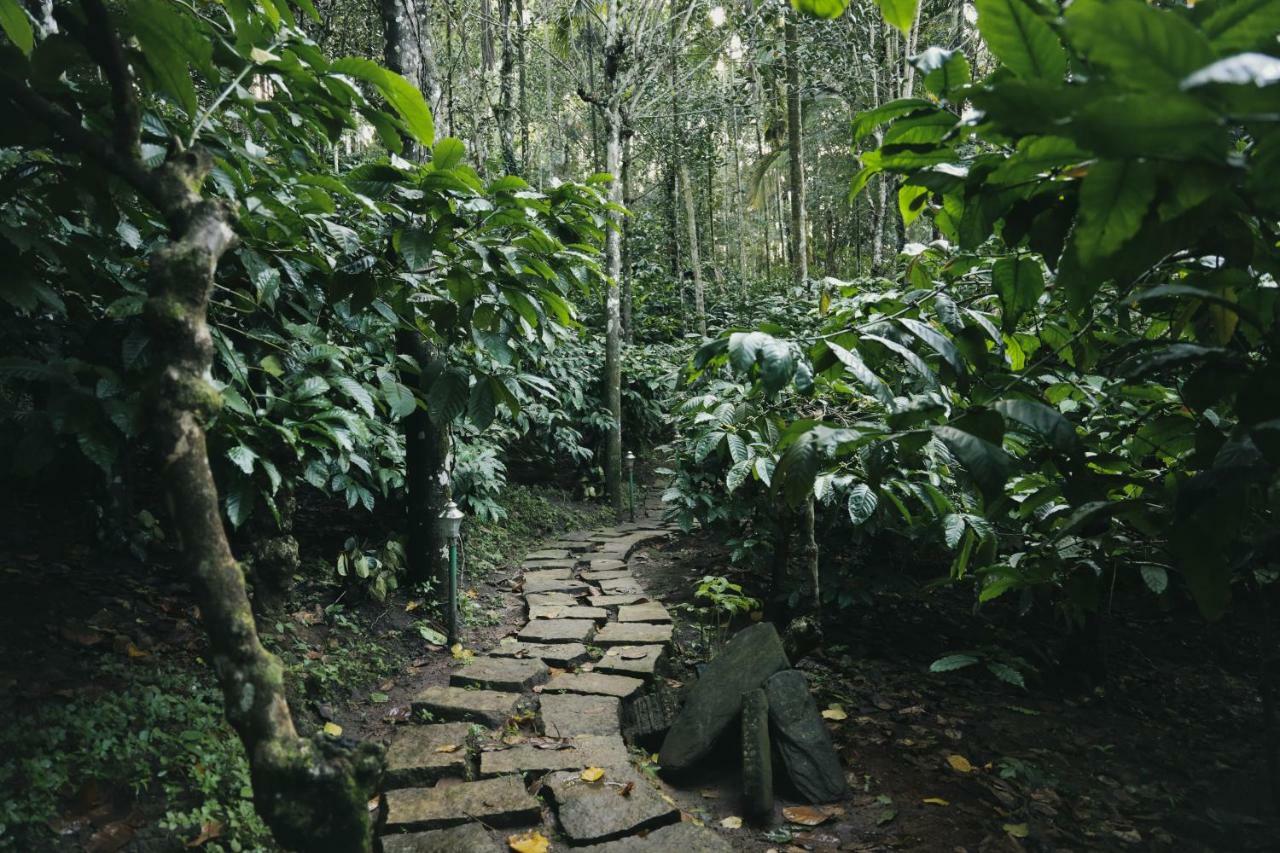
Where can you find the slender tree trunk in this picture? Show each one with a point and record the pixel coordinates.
(795, 140)
(613, 255)
(764, 210)
(811, 554)
(691, 227)
(739, 202)
(523, 108)
(628, 330)
(504, 110)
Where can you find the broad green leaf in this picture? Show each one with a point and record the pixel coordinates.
(987, 464)
(938, 342)
(952, 662)
(944, 70)
(356, 392)
(1235, 25)
(242, 457)
(1048, 423)
(855, 365)
(399, 399)
(402, 95)
(1133, 125)
(448, 153)
(170, 40)
(899, 13)
(1114, 199)
(1006, 673)
(862, 503)
(448, 396)
(868, 120)
(1155, 577)
(1018, 282)
(1021, 39)
(953, 528)
(826, 9)
(1143, 45)
(1036, 156)
(13, 20)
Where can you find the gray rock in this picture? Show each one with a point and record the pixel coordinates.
(682, 837)
(650, 611)
(557, 631)
(632, 634)
(548, 554)
(592, 812)
(568, 715)
(757, 761)
(638, 661)
(563, 655)
(413, 758)
(500, 673)
(615, 600)
(548, 565)
(594, 683)
(460, 704)
(606, 574)
(562, 611)
(607, 564)
(497, 802)
(548, 575)
(750, 657)
(576, 753)
(803, 740)
(539, 599)
(466, 838)
(573, 587)
(621, 586)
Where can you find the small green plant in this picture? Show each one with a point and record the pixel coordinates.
(1004, 666)
(378, 569)
(725, 600)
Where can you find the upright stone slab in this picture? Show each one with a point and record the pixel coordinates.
(592, 812)
(500, 673)
(681, 837)
(425, 754)
(757, 762)
(594, 683)
(803, 740)
(466, 838)
(650, 611)
(558, 631)
(637, 661)
(632, 634)
(577, 753)
(563, 655)
(750, 657)
(460, 704)
(497, 802)
(568, 715)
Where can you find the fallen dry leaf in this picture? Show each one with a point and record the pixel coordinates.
(935, 801)
(333, 729)
(633, 655)
(732, 822)
(1017, 830)
(806, 815)
(134, 652)
(959, 763)
(411, 606)
(592, 774)
(210, 830)
(834, 712)
(627, 789)
(460, 653)
(529, 842)
(448, 747)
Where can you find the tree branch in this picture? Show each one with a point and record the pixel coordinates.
(105, 48)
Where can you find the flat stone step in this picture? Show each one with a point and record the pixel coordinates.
(573, 546)
(592, 812)
(571, 586)
(594, 683)
(568, 715)
(497, 802)
(563, 655)
(615, 600)
(621, 586)
(637, 661)
(575, 753)
(632, 634)
(460, 704)
(607, 564)
(548, 554)
(501, 673)
(536, 565)
(541, 598)
(421, 755)
(549, 575)
(466, 838)
(563, 611)
(684, 837)
(558, 631)
(606, 574)
(650, 611)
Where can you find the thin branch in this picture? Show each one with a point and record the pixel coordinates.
(104, 45)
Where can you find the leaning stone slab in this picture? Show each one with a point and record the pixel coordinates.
(621, 586)
(500, 673)
(614, 600)
(757, 763)
(563, 655)
(488, 707)
(557, 631)
(592, 812)
(594, 683)
(754, 654)
(570, 586)
(561, 611)
(567, 715)
(803, 739)
(682, 837)
(497, 802)
(548, 575)
(420, 755)
(541, 598)
(650, 611)
(576, 753)
(548, 554)
(607, 575)
(466, 838)
(637, 661)
(633, 634)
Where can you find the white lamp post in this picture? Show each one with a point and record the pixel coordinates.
(450, 527)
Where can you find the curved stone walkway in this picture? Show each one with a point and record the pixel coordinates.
(473, 775)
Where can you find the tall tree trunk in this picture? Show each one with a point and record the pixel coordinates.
(691, 228)
(739, 202)
(523, 108)
(628, 331)
(504, 110)
(795, 141)
(613, 54)
(764, 209)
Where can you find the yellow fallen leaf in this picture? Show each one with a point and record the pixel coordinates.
(734, 822)
(448, 747)
(134, 652)
(1017, 830)
(834, 712)
(959, 763)
(529, 842)
(592, 774)
(333, 729)
(936, 801)
(459, 653)
(411, 606)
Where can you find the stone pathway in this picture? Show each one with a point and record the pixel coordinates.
(593, 645)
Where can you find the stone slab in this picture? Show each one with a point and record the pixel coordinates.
(594, 683)
(573, 587)
(563, 655)
(496, 802)
(548, 575)
(682, 837)
(548, 554)
(615, 600)
(650, 611)
(751, 656)
(592, 812)
(637, 661)
(802, 738)
(569, 715)
(544, 598)
(621, 586)
(757, 761)
(461, 704)
(562, 611)
(547, 565)
(607, 564)
(576, 753)
(414, 757)
(606, 574)
(632, 634)
(500, 673)
(557, 631)
(465, 838)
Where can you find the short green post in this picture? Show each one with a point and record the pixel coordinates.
(451, 529)
(631, 482)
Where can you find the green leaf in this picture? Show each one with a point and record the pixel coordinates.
(987, 464)
(399, 399)
(448, 153)
(944, 70)
(1235, 25)
(938, 342)
(1114, 199)
(737, 475)
(1018, 282)
(1155, 577)
(448, 396)
(1037, 156)
(169, 40)
(1243, 69)
(1048, 423)
(855, 365)
(1021, 39)
(899, 13)
(868, 120)
(431, 635)
(1142, 126)
(953, 528)
(797, 469)
(242, 457)
(952, 662)
(1143, 45)
(862, 503)
(402, 95)
(825, 9)
(1006, 673)
(13, 20)
(356, 392)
